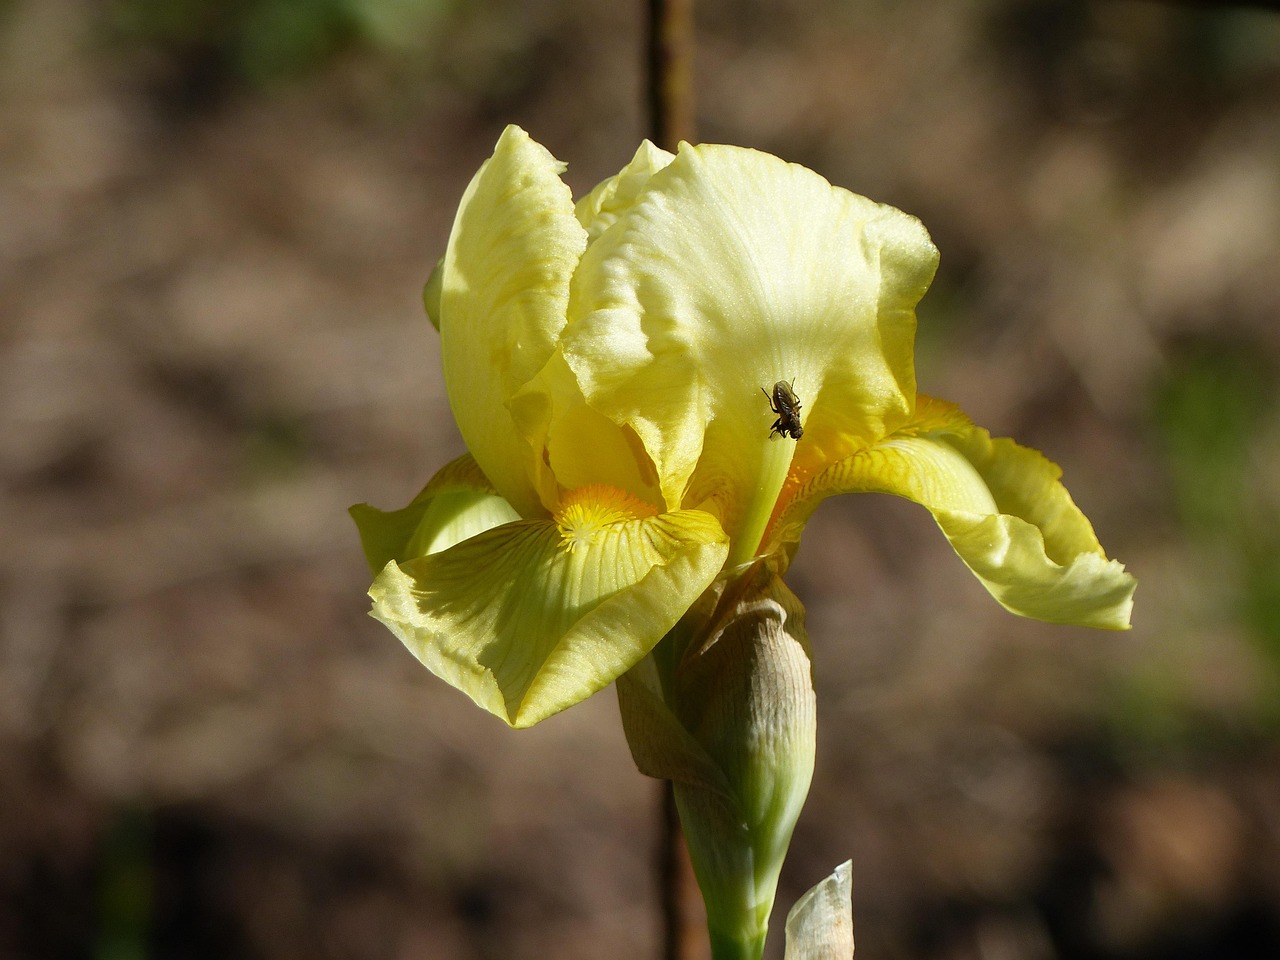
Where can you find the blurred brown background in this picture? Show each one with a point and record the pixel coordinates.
(215, 221)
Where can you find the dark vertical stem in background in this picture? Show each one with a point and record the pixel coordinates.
(683, 933)
(668, 870)
(669, 95)
(670, 63)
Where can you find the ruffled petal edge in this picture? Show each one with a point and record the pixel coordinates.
(1002, 507)
(527, 627)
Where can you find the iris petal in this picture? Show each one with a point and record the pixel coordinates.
(526, 627)
(600, 208)
(733, 270)
(581, 445)
(503, 291)
(457, 504)
(1000, 505)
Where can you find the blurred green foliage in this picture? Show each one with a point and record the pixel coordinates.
(1208, 410)
(1212, 412)
(260, 41)
(126, 888)
(277, 445)
(1213, 409)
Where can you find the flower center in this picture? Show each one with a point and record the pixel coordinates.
(586, 513)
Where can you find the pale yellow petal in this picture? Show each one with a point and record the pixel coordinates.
(581, 445)
(457, 504)
(730, 271)
(1002, 507)
(527, 627)
(600, 208)
(431, 294)
(503, 291)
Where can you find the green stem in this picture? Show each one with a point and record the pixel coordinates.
(730, 948)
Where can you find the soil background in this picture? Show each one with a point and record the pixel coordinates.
(215, 223)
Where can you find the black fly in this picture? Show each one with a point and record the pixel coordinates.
(786, 405)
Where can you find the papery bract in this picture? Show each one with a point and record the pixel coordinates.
(820, 925)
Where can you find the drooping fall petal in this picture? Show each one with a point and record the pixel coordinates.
(532, 617)
(457, 504)
(1002, 507)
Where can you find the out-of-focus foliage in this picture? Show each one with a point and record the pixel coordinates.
(259, 41)
(126, 889)
(1217, 416)
(1209, 410)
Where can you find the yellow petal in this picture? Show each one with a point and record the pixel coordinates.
(526, 626)
(503, 291)
(582, 445)
(1001, 505)
(730, 271)
(431, 294)
(600, 209)
(456, 505)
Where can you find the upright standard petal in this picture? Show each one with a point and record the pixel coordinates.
(534, 616)
(581, 445)
(733, 270)
(611, 198)
(503, 290)
(1000, 505)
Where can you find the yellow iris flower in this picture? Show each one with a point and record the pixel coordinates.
(605, 362)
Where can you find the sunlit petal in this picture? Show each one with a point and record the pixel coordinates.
(534, 616)
(581, 445)
(503, 294)
(733, 270)
(600, 208)
(457, 504)
(1003, 508)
